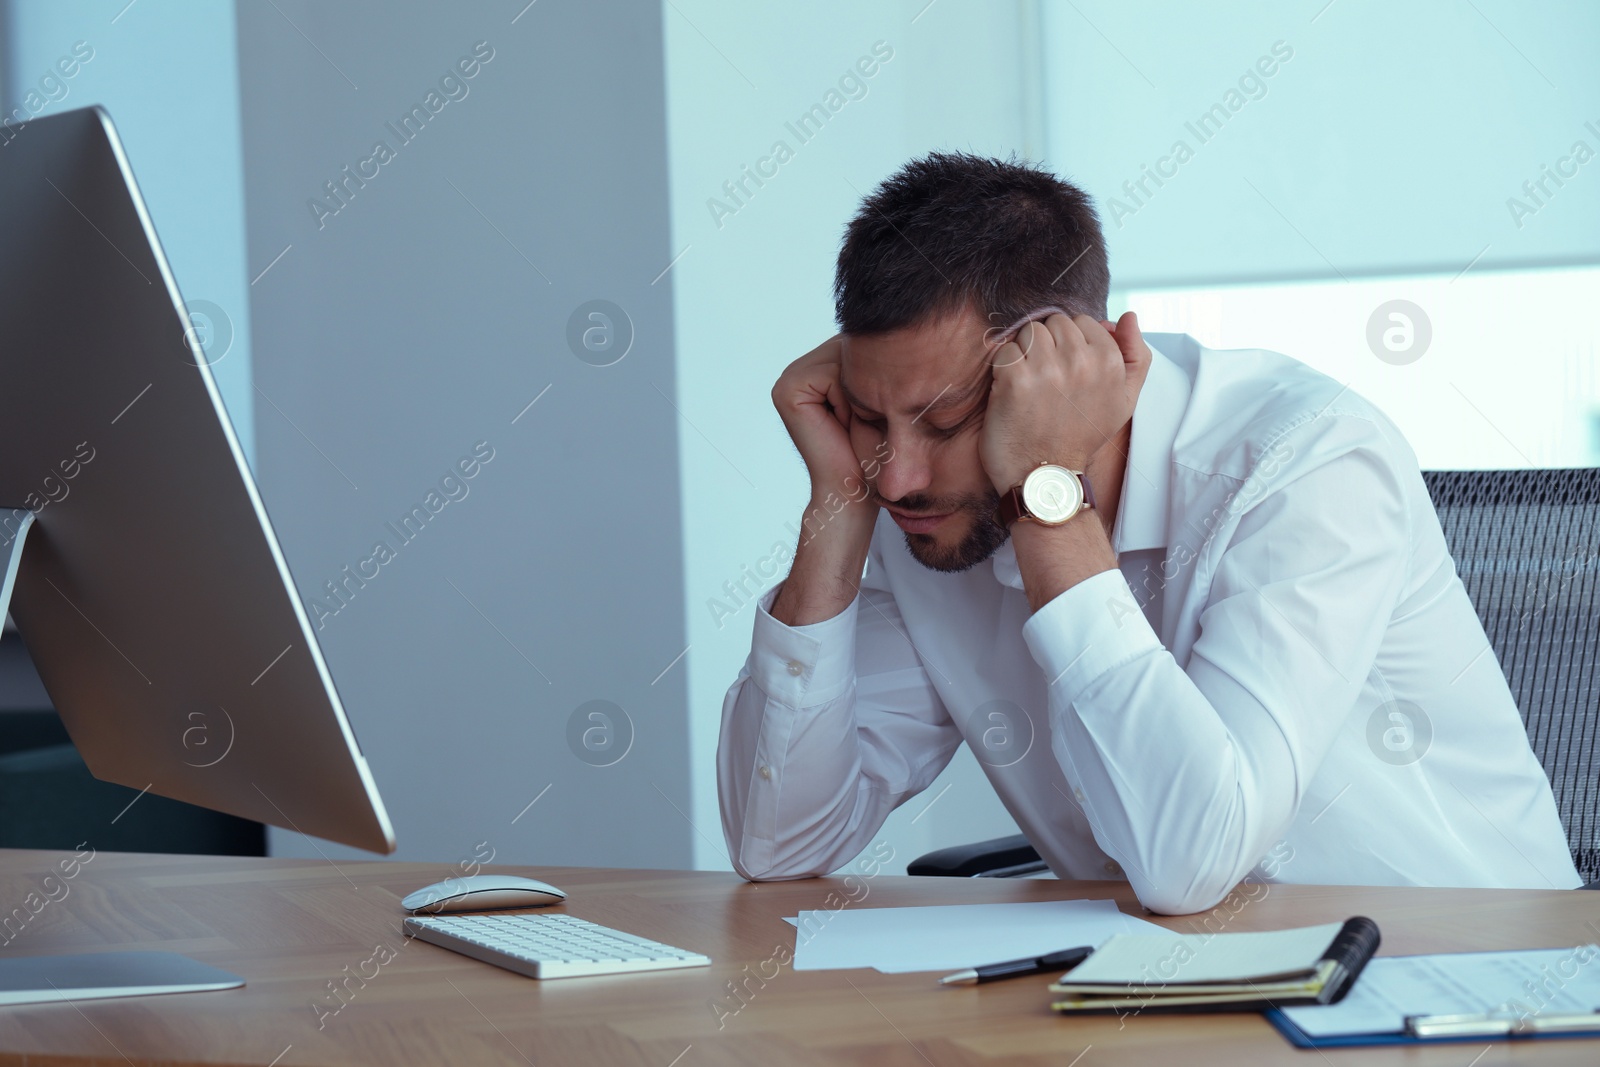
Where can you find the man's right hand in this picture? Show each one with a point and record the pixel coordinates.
(812, 406)
(837, 526)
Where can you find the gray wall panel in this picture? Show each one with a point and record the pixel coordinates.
(421, 318)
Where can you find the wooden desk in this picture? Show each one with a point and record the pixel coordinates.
(292, 926)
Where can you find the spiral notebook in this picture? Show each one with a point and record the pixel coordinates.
(1251, 971)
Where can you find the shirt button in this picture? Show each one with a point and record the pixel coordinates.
(1113, 868)
(796, 667)
(1079, 794)
(766, 772)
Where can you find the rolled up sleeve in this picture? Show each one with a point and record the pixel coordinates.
(827, 729)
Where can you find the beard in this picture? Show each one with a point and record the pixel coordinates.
(984, 533)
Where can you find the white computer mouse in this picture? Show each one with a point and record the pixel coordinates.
(482, 892)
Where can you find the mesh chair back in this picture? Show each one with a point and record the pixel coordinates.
(1525, 543)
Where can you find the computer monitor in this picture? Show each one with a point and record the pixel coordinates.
(140, 566)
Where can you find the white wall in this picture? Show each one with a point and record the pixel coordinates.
(753, 289)
(168, 73)
(1388, 142)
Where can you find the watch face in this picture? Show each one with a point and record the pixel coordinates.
(1053, 494)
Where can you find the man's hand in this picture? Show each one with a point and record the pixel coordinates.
(811, 404)
(838, 520)
(1061, 390)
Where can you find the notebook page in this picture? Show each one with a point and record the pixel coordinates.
(1173, 959)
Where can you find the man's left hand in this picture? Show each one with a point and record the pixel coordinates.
(1061, 390)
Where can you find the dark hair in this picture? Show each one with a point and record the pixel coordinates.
(951, 230)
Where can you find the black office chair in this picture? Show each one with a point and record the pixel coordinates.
(1527, 546)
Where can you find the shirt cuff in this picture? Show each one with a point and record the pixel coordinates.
(803, 666)
(1088, 630)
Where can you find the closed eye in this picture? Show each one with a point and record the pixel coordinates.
(944, 433)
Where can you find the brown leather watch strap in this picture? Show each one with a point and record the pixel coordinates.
(1011, 506)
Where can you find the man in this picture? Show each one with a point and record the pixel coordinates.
(1250, 653)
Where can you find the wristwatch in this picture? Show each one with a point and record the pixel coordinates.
(1049, 495)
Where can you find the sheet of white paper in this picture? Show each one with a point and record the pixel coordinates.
(949, 938)
(1540, 981)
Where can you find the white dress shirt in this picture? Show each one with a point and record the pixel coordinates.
(1284, 677)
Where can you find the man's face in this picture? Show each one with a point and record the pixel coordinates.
(923, 390)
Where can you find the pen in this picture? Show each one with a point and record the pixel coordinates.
(1056, 961)
(1494, 1024)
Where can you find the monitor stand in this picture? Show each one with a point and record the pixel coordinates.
(52, 979)
(17, 524)
(89, 976)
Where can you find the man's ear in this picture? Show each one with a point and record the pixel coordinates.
(995, 335)
(1136, 354)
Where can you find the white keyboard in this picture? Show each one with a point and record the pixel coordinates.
(549, 946)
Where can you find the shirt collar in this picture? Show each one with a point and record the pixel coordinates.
(1143, 510)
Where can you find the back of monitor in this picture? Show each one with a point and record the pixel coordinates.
(152, 593)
